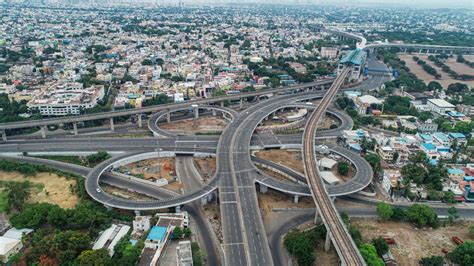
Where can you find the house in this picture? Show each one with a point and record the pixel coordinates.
(440, 106)
(110, 237)
(390, 179)
(386, 152)
(11, 244)
(430, 150)
(141, 224)
(441, 139)
(456, 174)
(427, 127)
(184, 253)
(458, 137)
(365, 104)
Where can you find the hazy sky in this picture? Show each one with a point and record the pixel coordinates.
(417, 3)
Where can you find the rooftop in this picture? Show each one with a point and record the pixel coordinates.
(356, 57)
(157, 233)
(441, 103)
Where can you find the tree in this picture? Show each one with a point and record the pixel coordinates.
(343, 168)
(464, 127)
(198, 255)
(96, 158)
(147, 62)
(177, 232)
(384, 210)
(17, 194)
(374, 161)
(463, 254)
(99, 257)
(435, 86)
(380, 245)
(471, 230)
(249, 89)
(398, 214)
(453, 214)
(432, 261)
(422, 215)
(300, 246)
(187, 232)
(369, 253)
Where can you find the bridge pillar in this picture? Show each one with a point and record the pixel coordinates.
(140, 122)
(196, 111)
(213, 112)
(222, 104)
(109, 208)
(74, 126)
(316, 217)
(241, 104)
(204, 201)
(177, 209)
(137, 212)
(296, 199)
(43, 132)
(263, 188)
(4, 135)
(168, 117)
(112, 127)
(327, 244)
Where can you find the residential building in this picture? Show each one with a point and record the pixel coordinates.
(184, 253)
(366, 104)
(440, 106)
(110, 237)
(11, 244)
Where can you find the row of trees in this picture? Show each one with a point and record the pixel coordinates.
(429, 69)
(420, 171)
(301, 244)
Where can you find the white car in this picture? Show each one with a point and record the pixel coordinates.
(98, 190)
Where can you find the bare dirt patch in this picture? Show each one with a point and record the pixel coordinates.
(50, 188)
(206, 124)
(206, 166)
(291, 159)
(212, 213)
(427, 78)
(413, 243)
(273, 199)
(460, 68)
(124, 193)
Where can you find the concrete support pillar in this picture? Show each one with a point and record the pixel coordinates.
(327, 244)
(204, 201)
(263, 188)
(140, 122)
(241, 104)
(4, 135)
(317, 218)
(178, 209)
(168, 117)
(296, 199)
(137, 212)
(196, 112)
(74, 126)
(213, 112)
(112, 124)
(222, 104)
(109, 208)
(43, 132)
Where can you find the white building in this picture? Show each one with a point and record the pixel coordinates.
(66, 99)
(109, 238)
(440, 106)
(184, 253)
(10, 243)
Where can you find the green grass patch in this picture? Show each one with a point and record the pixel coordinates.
(3, 201)
(63, 158)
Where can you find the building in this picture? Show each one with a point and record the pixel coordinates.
(366, 104)
(390, 180)
(426, 127)
(456, 174)
(440, 106)
(11, 244)
(184, 253)
(329, 52)
(141, 224)
(386, 152)
(357, 59)
(66, 99)
(109, 238)
(441, 139)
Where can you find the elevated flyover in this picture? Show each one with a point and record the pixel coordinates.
(337, 231)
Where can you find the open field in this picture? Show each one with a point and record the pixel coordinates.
(291, 159)
(427, 78)
(47, 187)
(413, 243)
(206, 166)
(460, 68)
(206, 124)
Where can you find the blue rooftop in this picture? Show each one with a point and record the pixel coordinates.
(355, 146)
(441, 136)
(157, 233)
(457, 135)
(426, 137)
(434, 162)
(455, 171)
(456, 114)
(429, 146)
(355, 57)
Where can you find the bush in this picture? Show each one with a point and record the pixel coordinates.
(422, 215)
(432, 261)
(369, 253)
(343, 168)
(463, 254)
(384, 210)
(380, 245)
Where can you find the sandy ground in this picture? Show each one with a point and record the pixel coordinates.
(154, 169)
(206, 123)
(56, 189)
(272, 199)
(412, 243)
(124, 193)
(206, 166)
(273, 174)
(460, 68)
(291, 159)
(427, 78)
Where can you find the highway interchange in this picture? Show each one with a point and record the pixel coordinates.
(245, 241)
